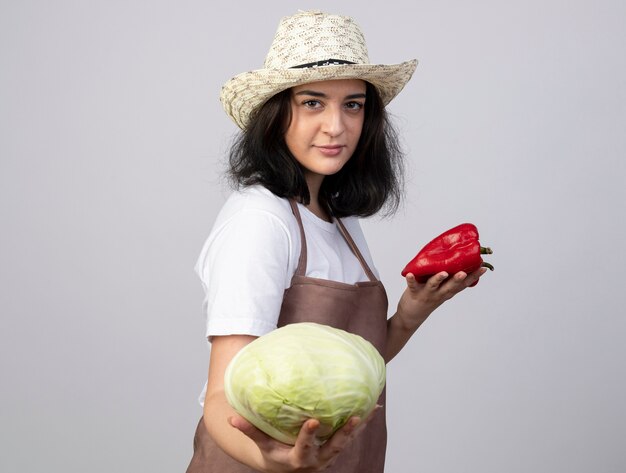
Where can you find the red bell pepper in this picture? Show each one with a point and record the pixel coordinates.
(455, 250)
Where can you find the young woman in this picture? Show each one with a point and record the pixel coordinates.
(316, 151)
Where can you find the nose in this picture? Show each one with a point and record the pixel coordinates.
(333, 122)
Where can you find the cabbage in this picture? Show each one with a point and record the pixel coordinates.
(303, 371)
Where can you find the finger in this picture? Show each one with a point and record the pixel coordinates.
(451, 286)
(459, 277)
(411, 282)
(307, 440)
(349, 431)
(473, 278)
(369, 418)
(437, 280)
(463, 280)
(457, 283)
(260, 438)
(340, 439)
(239, 423)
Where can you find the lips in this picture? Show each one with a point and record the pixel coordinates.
(330, 150)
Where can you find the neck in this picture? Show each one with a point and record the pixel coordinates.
(314, 183)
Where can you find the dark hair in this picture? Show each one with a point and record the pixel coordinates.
(370, 181)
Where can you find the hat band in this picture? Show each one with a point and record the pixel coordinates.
(327, 62)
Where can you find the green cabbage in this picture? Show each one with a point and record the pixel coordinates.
(302, 371)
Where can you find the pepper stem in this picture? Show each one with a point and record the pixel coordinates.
(487, 265)
(485, 250)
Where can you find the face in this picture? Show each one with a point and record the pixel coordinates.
(326, 122)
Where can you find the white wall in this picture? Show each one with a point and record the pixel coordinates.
(111, 143)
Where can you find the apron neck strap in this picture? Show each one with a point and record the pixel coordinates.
(355, 250)
(301, 269)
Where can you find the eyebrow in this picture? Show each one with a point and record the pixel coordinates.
(313, 93)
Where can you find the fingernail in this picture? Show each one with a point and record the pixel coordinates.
(312, 426)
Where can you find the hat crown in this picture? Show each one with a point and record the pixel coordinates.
(312, 36)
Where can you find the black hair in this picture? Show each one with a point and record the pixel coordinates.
(371, 180)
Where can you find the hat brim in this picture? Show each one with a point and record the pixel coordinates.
(242, 95)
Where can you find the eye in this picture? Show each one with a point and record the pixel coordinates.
(312, 103)
(354, 105)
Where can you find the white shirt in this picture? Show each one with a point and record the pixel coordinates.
(252, 252)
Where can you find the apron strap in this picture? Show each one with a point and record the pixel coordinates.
(301, 269)
(355, 250)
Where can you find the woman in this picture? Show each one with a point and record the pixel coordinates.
(316, 151)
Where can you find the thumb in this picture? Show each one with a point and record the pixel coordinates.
(246, 428)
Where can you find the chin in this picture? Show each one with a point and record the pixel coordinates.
(329, 171)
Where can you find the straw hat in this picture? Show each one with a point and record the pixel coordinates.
(308, 47)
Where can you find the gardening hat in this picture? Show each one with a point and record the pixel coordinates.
(309, 47)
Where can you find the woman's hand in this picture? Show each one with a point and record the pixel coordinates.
(307, 455)
(247, 444)
(419, 300)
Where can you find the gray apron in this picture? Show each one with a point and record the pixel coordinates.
(359, 308)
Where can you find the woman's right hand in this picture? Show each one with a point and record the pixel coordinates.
(307, 455)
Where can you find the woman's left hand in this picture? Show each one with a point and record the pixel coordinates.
(419, 300)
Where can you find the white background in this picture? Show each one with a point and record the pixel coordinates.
(112, 141)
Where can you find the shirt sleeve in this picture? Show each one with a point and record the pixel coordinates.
(245, 269)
